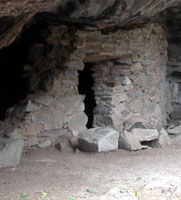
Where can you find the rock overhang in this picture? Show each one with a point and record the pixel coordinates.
(102, 14)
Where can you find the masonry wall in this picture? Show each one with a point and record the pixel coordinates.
(53, 109)
(129, 73)
(130, 76)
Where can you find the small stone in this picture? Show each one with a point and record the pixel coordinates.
(126, 81)
(99, 139)
(46, 143)
(145, 134)
(57, 146)
(129, 142)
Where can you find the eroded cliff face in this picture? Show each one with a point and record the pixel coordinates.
(121, 47)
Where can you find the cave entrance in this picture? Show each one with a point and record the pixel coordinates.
(13, 86)
(86, 82)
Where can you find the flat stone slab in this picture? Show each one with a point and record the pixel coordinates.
(100, 139)
(174, 131)
(145, 135)
(10, 151)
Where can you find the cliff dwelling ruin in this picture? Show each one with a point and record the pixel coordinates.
(95, 76)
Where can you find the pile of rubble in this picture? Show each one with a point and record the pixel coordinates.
(99, 139)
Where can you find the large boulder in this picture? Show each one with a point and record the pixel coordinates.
(129, 142)
(10, 152)
(99, 139)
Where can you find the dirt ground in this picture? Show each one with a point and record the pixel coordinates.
(49, 174)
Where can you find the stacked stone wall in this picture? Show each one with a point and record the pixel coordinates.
(129, 74)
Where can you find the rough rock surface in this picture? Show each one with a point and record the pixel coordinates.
(129, 141)
(103, 13)
(10, 152)
(99, 139)
(145, 134)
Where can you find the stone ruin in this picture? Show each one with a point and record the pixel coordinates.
(94, 82)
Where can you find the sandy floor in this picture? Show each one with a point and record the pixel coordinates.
(153, 174)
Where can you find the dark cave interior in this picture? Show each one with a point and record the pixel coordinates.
(14, 83)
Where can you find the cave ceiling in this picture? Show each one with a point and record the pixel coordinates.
(100, 14)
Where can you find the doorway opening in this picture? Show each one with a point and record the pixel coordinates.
(86, 82)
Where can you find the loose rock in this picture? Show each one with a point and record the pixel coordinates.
(99, 139)
(145, 134)
(10, 152)
(129, 142)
